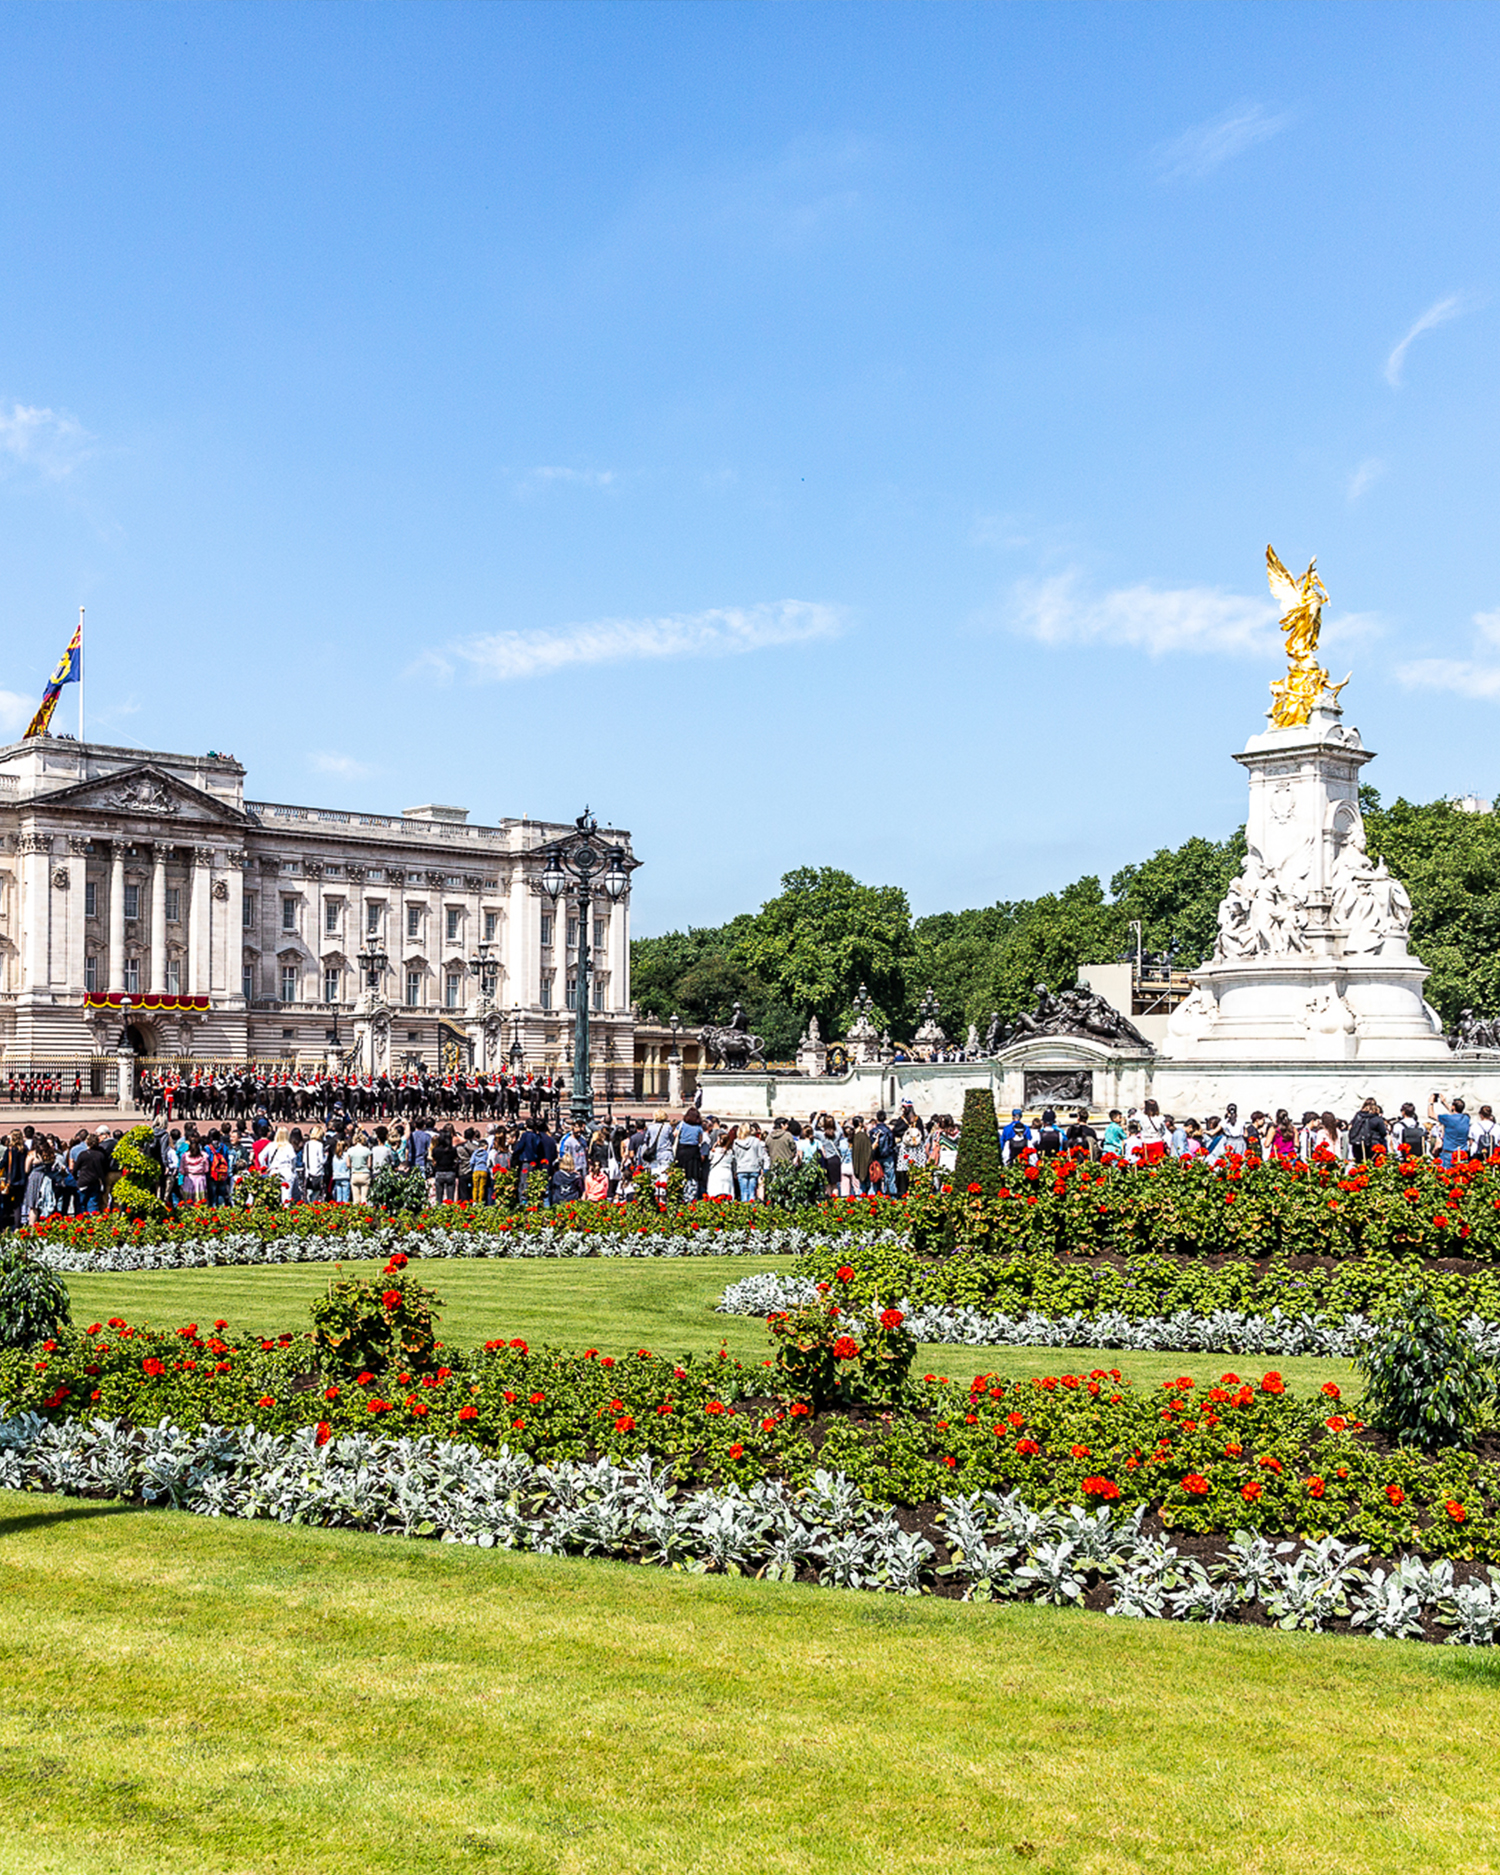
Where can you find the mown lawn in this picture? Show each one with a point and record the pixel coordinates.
(199, 1695)
(608, 1303)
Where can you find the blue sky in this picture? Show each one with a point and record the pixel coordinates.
(809, 434)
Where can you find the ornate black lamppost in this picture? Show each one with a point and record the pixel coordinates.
(374, 963)
(582, 864)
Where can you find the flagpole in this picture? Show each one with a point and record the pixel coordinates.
(80, 675)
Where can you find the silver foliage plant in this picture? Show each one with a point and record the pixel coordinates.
(1225, 1331)
(999, 1546)
(241, 1248)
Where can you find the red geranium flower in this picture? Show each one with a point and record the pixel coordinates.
(324, 1432)
(736, 1451)
(1395, 1494)
(152, 1368)
(844, 1273)
(468, 1412)
(1330, 1387)
(392, 1298)
(1194, 1485)
(1315, 1486)
(891, 1318)
(1455, 1510)
(1027, 1448)
(1252, 1490)
(1079, 1451)
(1101, 1488)
(846, 1348)
(1273, 1383)
(625, 1423)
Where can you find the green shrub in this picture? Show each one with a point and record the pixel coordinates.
(827, 1356)
(1426, 1383)
(978, 1145)
(258, 1191)
(795, 1183)
(33, 1301)
(397, 1188)
(375, 1324)
(135, 1191)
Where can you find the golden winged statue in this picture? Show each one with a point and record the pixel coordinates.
(1294, 696)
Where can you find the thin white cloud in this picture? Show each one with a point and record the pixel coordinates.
(329, 762)
(503, 657)
(1201, 150)
(1464, 677)
(16, 712)
(579, 478)
(1153, 619)
(1452, 306)
(43, 440)
(1365, 476)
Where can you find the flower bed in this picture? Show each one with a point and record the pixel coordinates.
(1063, 1207)
(245, 1248)
(981, 1546)
(1227, 1331)
(1147, 1285)
(1204, 1459)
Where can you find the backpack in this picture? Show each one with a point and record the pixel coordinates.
(218, 1165)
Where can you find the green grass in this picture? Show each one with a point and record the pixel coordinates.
(198, 1695)
(608, 1303)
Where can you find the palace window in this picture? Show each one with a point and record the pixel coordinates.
(247, 982)
(600, 926)
(132, 901)
(289, 914)
(572, 992)
(414, 921)
(414, 986)
(598, 992)
(331, 912)
(289, 983)
(454, 922)
(331, 984)
(546, 933)
(247, 911)
(91, 973)
(132, 981)
(90, 898)
(174, 976)
(372, 919)
(491, 926)
(572, 933)
(454, 989)
(547, 991)
(174, 904)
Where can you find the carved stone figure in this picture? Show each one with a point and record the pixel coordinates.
(1076, 1012)
(144, 794)
(1475, 1032)
(1329, 1014)
(1194, 1015)
(732, 1046)
(992, 1033)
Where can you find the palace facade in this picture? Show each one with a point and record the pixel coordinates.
(141, 892)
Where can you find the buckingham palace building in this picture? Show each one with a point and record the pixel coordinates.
(145, 902)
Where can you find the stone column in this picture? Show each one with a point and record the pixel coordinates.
(77, 930)
(116, 971)
(36, 908)
(158, 978)
(522, 938)
(234, 924)
(200, 923)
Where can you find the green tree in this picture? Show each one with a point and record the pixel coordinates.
(1176, 894)
(1449, 862)
(824, 935)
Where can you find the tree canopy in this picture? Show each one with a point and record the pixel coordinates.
(807, 951)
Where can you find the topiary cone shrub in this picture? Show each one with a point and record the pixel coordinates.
(978, 1160)
(33, 1301)
(134, 1191)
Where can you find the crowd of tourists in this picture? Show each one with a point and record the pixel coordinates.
(42, 1174)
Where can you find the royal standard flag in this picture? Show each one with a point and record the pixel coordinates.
(69, 671)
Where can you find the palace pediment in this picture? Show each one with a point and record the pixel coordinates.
(144, 792)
